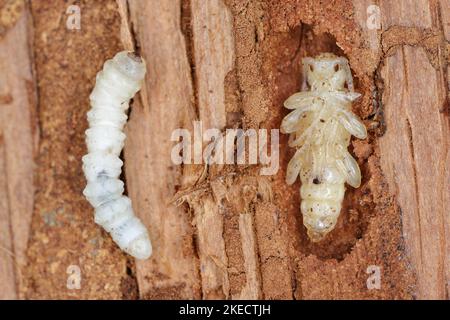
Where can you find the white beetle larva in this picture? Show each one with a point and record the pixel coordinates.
(116, 84)
(321, 126)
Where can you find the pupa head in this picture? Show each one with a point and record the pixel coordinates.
(327, 72)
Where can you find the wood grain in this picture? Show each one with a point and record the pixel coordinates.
(7, 266)
(366, 19)
(414, 150)
(227, 243)
(17, 145)
(213, 45)
(235, 199)
(151, 177)
(444, 14)
(405, 13)
(212, 28)
(413, 155)
(211, 248)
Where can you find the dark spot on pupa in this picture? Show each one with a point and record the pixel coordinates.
(321, 120)
(316, 181)
(135, 57)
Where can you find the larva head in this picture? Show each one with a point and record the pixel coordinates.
(130, 65)
(327, 72)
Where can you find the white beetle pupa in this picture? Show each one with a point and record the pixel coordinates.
(116, 84)
(321, 126)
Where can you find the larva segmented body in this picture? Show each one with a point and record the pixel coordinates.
(321, 126)
(120, 79)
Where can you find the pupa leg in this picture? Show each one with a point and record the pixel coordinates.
(352, 124)
(300, 100)
(346, 67)
(349, 168)
(290, 122)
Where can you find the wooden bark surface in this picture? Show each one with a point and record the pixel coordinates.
(225, 231)
(18, 137)
(152, 178)
(415, 148)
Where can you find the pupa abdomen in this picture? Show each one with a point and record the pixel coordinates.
(120, 79)
(320, 128)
